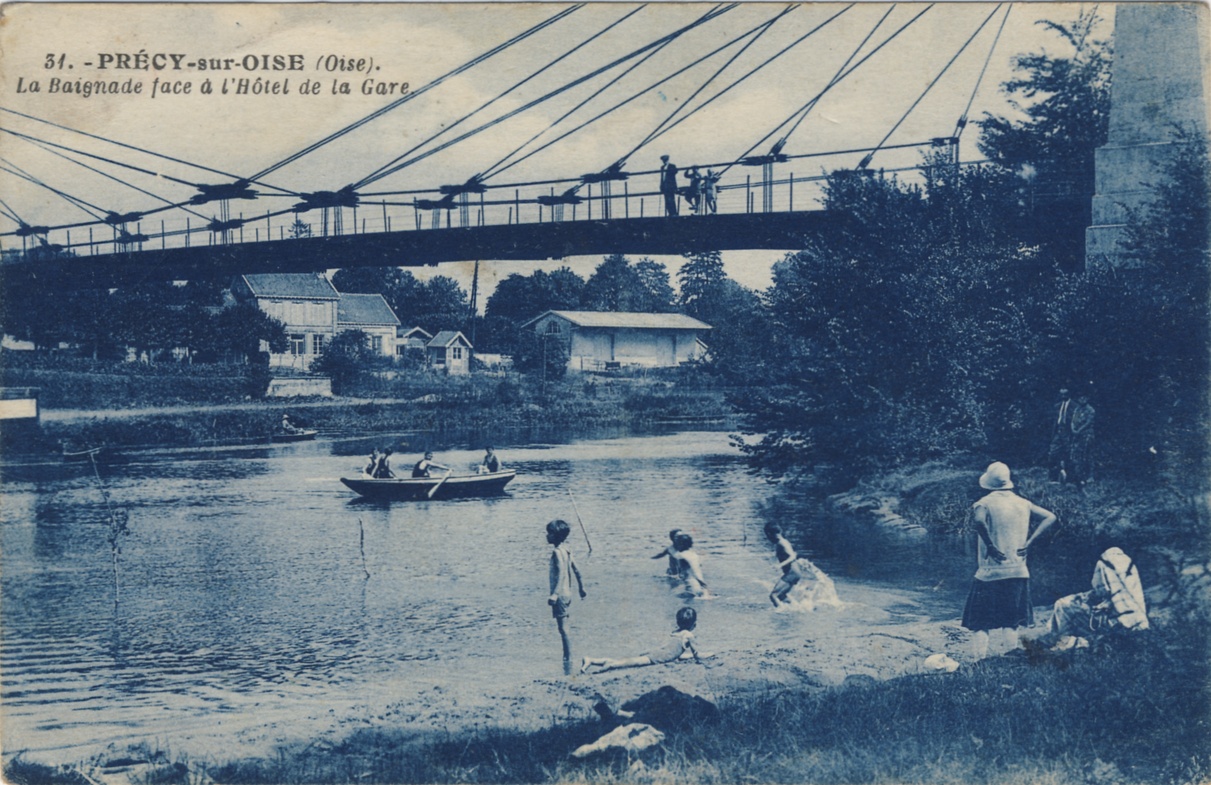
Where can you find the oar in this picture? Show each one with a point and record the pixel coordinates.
(433, 490)
(581, 522)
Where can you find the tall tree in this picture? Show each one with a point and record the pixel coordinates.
(900, 334)
(521, 297)
(657, 291)
(1063, 108)
(366, 280)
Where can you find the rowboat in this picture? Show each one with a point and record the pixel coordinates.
(304, 435)
(417, 488)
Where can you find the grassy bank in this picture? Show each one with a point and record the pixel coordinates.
(486, 405)
(1135, 713)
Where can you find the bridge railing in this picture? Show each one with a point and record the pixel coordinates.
(742, 190)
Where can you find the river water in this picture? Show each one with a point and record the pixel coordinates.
(244, 602)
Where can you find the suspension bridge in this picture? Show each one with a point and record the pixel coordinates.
(246, 223)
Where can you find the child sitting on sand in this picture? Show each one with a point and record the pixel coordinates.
(681, 643)
(671, 552)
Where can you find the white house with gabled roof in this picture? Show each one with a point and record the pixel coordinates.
(313, 312)
(305, 302)
(371, 314)
(604, 340)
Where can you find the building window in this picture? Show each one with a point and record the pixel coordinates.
(376, 344)
(552, 327)
(317, 343)
(298, 344)
(456, 352)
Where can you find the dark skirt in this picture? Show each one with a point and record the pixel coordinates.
(995, 604)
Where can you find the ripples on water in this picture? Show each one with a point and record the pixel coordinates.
(243, 592)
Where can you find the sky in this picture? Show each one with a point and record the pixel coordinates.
(417, 43)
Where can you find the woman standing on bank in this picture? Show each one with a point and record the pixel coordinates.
(999, 601)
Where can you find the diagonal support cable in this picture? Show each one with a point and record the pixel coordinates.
(412, 95)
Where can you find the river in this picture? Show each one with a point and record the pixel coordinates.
(245, 615)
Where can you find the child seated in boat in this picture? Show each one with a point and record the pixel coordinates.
(373, 463)
(382, 471)
(681, 643)
(490, 463)
(689, 566)
(671, 552)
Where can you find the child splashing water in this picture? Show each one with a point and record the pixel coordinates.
(796, 570)
(681, 643)
(689, 566)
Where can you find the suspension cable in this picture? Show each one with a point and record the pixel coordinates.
(714, 13)
(677, 110)
(137, 149)
(456, 123)
(962, 121)
(637, 95)
(17, 171)
(491, 170)
(832, 83)
(410, 96)
(752, 71)
(35, 140)
(121, 181)
(866, 160)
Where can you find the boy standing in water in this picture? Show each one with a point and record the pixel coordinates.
(563, 567)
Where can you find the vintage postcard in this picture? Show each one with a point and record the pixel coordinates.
(544, 392)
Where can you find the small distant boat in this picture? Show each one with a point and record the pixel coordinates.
(417, 488)
(304, 435)
(72, 456)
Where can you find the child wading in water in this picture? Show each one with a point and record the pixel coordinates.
(563, 567)
(689, 567)
(682, 641)
(671, 552)
(794, 569)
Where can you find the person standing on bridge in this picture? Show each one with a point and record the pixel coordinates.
(708, 192)
(668, 185)
(693, 193)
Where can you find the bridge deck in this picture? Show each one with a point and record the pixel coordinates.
(773, 231)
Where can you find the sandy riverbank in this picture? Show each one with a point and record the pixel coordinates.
(875, 634)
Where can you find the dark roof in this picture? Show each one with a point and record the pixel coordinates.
(411, 331)
(447, 337)
(634, 321)
(364, 309)
(298, 286)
